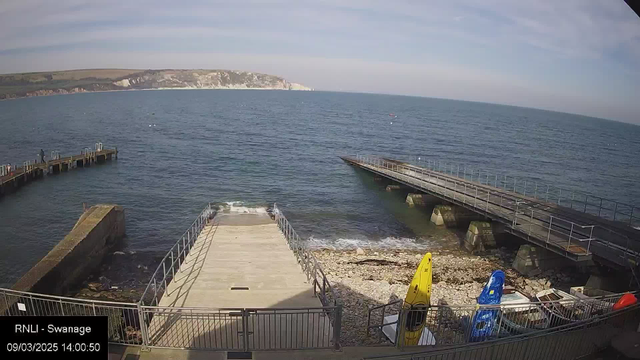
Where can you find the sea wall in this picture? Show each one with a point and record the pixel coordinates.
(78, 254)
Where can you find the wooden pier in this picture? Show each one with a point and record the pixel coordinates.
(28, 172)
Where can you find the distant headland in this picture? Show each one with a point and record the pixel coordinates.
(88, 80)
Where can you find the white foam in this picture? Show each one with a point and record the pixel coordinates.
(389, 243)
(238, 207)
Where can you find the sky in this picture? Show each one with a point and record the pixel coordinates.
(577, 56)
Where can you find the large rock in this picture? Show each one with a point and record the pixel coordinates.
(479, 236)
(415, 200)
(452, 216)
(532, 260)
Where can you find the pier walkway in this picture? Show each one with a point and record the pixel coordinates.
(240, 260)
(29, 171)
(571, 233)
(240, 287)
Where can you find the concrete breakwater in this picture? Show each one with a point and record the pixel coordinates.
(97, 231)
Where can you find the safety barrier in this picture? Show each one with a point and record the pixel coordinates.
(576, 200)
(174, 258)
(123, 318)
(569, 341)
(462, 324)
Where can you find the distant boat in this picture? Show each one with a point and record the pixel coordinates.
(392, 115)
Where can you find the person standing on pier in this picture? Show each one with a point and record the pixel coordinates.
(42, 156)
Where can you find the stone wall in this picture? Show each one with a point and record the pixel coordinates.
(78, 254)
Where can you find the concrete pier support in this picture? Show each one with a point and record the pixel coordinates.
(532, 260)
(451, 216)
(415, 200)
(479, 236)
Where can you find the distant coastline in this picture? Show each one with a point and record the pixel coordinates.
(13, 86)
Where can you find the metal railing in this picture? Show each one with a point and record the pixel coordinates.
(321, 285)
(244, 329)
(461, 324)
(174, 258)
(241, 329)
(576, 200)
(569, 341)
(530, 221)
(123, 318)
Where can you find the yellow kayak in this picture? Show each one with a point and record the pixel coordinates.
(418, 298)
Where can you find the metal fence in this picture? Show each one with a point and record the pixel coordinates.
(463, 324)
(577, 200)
(242, 329)
(531, 221)
(123, 318)
(321, 286)
(171, 262)
(569, 341)
(239, 329)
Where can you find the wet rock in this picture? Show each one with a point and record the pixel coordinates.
(359, 251)
(118, 253)
(94, 286)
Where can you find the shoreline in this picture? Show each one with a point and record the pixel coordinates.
(123, 90)
(366, 278)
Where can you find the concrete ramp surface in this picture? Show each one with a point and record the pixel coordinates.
(242, 265)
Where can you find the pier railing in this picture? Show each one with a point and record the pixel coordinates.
(569, 341)
(529, 220)
(311, 267)
(576, 200)
(174, 258)
(450, 325)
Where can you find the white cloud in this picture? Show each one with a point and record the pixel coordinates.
(335, 44)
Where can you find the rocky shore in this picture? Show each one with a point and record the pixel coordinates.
(123, 276)
(364, 279)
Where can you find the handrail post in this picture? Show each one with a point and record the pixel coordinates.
(570, 234)
(600, 208)
(547, 198)
(337, 327)
(143, 328)
(550, 222)
(173, 271)
(400, 326)
(559, 195)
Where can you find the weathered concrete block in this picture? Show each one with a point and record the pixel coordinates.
(451, 216)
(415, 200)
(532, 260)
(479, 236)
(78, 254)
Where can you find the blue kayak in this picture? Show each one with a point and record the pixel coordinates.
(483, 323)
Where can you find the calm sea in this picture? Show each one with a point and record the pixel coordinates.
(182, 149)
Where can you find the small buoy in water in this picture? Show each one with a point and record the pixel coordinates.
(149, 125)
(391, 123)
(154, 125)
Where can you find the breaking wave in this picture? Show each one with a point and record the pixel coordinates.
(389, 243)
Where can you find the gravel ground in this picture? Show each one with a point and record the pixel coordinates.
(364, 279)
